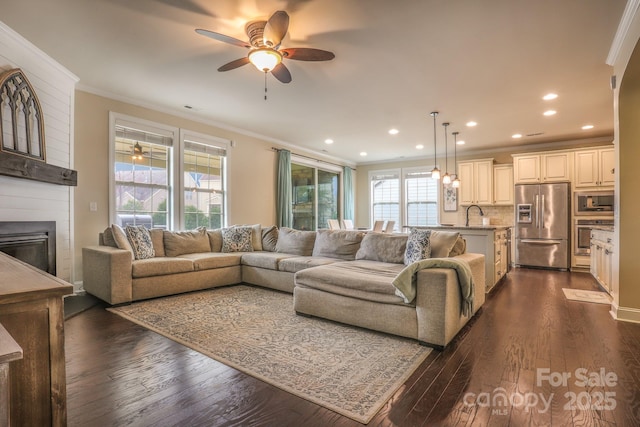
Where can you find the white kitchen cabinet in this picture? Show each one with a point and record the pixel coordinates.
(500, 254)
(546, 167)
(503, 185)
(602, 258)
(595, 167)
(476, 182)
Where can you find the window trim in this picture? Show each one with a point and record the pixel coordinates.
(178, 135)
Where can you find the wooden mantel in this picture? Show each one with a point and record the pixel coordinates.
(19, 166)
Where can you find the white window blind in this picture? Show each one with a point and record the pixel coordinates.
(421, 194)
(385, 196)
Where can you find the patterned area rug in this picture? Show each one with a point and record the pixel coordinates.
(587, 296)
(349, 370)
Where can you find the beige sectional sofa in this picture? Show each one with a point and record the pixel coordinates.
(345, 276)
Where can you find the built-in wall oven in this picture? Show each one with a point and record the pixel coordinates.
(582, 229)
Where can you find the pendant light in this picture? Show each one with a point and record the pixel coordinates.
(456, 181)
(435, 172)
(446, 178)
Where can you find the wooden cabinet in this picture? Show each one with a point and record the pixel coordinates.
(476, 182)
(500, 249)
(602, 258)
(595, 168)
(492, 243)
(503, 185)
(547, 167)
(31, 311)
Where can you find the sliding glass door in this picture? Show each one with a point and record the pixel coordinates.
(315, 198)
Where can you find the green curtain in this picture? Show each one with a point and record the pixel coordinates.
(284, 212)
(349, 202)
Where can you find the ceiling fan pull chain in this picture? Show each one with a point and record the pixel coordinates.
(265, 85)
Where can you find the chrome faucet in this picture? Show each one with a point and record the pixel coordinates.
(466, 224)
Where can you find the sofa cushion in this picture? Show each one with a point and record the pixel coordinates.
(107, 238)
(295, 242)
(211, 260)
(459, 248)
(368, 280)
(121, 240)
(215, 239)
(383, 247)
(269, 238)
(341, 244)
(268, 260)
(442, 242)
(236, 239)
(295, 264)
(160, 266)
(140, 241)
(157, 237)
(186, 242)
(418, 246)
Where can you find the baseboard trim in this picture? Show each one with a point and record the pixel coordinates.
(625, 314)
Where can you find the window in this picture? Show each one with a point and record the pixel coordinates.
(421, 195)
(407, 194)
(316, 195)
(385, 196)
(153, 165)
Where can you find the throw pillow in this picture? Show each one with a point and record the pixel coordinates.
(442, 242)
(269, 238)
(157, 237)
(121, 239)
(341, 244)
(236, 239)
(107, 238)
(140, 240)
(186, 242)
(418, 246)
(295, 242)
(459, 248)
(215, 239)
(383, 247)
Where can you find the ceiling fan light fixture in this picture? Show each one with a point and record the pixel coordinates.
(265, 59)
(137, 152)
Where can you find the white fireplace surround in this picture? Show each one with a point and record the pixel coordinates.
(25, 200)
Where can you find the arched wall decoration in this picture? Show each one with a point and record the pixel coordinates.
(21, 118)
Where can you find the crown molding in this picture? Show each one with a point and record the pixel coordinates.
(623, 28)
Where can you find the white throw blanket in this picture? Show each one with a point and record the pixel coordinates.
(405, 281)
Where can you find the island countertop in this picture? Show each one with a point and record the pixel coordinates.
(461, 227)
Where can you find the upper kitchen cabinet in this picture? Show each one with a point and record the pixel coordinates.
(503, 185)
(544, 167)
(595, 167)
(476, 182)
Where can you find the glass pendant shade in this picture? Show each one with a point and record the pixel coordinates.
(446, 178)
(265, 59)
(456, 182)
(435, 173)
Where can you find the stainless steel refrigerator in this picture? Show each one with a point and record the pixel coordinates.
(543, 225)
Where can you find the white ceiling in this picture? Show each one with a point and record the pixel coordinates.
(396, 61)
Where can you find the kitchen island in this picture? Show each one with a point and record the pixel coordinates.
(491, 241)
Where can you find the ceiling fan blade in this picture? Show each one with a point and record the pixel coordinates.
(276, 28)
(307, 54)
(223, 38)
(281, 72)
(234, 64)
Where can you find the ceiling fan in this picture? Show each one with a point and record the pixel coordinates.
(264, 47)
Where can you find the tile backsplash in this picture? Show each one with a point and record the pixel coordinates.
(499, 215)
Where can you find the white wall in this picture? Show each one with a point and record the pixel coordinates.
(25, 200)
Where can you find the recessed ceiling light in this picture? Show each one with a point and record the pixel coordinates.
(587, 127)
(550, 96)
(472, 124)
(419, 146)
(393, 131)
(516, 135)
(363, 153)
(328, 141)
(549, 112)
(461, 142)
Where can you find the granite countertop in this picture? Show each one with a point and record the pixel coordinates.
(466, 227)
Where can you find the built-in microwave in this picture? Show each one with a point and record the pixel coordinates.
(593, 203)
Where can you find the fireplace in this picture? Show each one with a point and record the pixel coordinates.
(33, 242)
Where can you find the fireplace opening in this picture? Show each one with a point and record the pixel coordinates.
(33, 242)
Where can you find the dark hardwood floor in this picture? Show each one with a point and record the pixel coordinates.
(512, 354)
